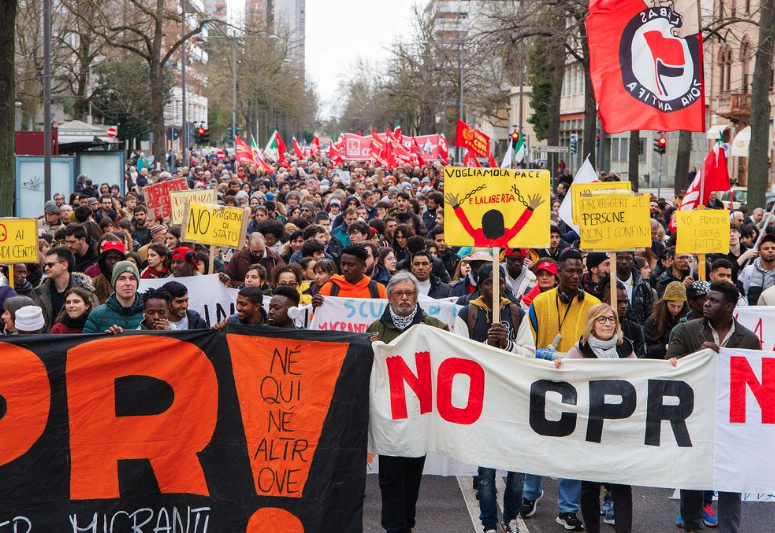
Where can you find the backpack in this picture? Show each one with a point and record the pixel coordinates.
(473, 311)
(373, 289)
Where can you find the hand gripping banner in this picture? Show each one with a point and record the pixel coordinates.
(196, 431)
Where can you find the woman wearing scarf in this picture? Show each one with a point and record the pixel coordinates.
(603, 339)
(400, 477)
(74, 315)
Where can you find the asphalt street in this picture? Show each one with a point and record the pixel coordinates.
(449, 504)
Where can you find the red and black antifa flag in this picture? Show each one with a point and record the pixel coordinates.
(655, 81)
(195, 431)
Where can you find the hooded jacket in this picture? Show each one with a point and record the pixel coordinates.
(348, 290)
(756, 280)
(102, 286)
(642, 303)
(88, 259)
(112, 313)
(41, 295)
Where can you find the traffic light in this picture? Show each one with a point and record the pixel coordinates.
(597, 139)
(574, 143)
(660, 144)
(200, 133)
(205, 137)
(514, 138)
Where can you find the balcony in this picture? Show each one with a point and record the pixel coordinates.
(734, 106)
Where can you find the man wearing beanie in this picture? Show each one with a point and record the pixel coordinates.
(29, 320)
(598, 268)
(124, 308)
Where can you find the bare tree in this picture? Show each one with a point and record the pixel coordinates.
(7, 105)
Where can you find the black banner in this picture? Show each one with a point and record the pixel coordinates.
(192, 431)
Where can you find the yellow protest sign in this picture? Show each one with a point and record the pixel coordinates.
(612, 221)
(179, 199)
(702, 232)
(577, 189)
(215, 225)
(18, 240)
(496, 207)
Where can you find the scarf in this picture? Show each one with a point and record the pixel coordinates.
(152, 273)
(403, 322)
(76, 323)
(604, 349)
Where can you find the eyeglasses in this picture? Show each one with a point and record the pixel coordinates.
(51, 265)
(606, 320)
(401, 294)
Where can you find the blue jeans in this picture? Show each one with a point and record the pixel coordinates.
(568, 492)
(488, 497)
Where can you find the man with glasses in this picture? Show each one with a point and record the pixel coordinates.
(308, 211)
(400, 477)
(50, 294)
(679, 271)
(255, 252)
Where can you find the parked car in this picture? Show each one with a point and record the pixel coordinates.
(733, 198)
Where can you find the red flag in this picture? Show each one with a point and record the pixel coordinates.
(470, 160)
(655, 82)
(333, 153)
(443, 149)
(315, 147)
(491, 163)
(297, 149)
(281, 148)
(473, 139)
(398, 135)
(715, 175)
(376, 152)
(242, 151)
(417, 152)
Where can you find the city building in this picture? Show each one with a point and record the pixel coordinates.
(259, 15)
(290, 20)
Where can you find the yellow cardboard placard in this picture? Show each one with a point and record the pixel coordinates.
(179, 199)
(494, 207)
(18, 240)
(702, 232)
(613, 221)
(215, 225)
(577, 189)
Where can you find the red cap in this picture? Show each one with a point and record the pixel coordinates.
(113, 245)
(515, 252)
(372, 232)
(180, 253)
(545, 265)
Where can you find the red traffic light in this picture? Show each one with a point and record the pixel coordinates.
(662, 141)
(200, 131)
(514, 136)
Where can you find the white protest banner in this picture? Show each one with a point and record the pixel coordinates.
(357, 314)
(637, 422)
(206, 295)
(760, 320)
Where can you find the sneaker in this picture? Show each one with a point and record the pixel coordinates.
(528, 507)
(511, 527)
(609, 515)
(490, 531)
(709, 517)
(570, 522)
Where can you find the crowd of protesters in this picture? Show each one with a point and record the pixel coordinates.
(356, 231)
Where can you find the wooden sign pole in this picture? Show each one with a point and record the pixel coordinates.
(211, 266)
(613, 282)
(496, 286)
(701, 207)
(10, 276)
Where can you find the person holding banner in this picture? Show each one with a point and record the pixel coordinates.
(562, 313)
(603, 339)
(400, 477)
(717, 329)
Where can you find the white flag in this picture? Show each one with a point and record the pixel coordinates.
(508, 158)
(586, 174)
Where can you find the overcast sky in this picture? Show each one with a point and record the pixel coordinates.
(339, 31)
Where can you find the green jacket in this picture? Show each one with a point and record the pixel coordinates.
(388, 332)
(112, 313)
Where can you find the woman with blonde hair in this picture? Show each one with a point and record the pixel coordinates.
(603, 339)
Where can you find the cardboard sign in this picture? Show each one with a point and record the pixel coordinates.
(496, 207)
(179, 199)
(702, 232)
(577, 189)
(18, 240)
(229, 432)
(157, 197)
(215, 225)
(611, 221)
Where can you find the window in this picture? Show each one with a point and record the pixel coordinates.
(745, 58)
(725, 68)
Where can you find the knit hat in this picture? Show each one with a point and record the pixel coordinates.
(698, 289)
(51, 208)
(486, 271)
(157, 228)
(122, 267)
(29, 319)
(675, 292)
(595, 258)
